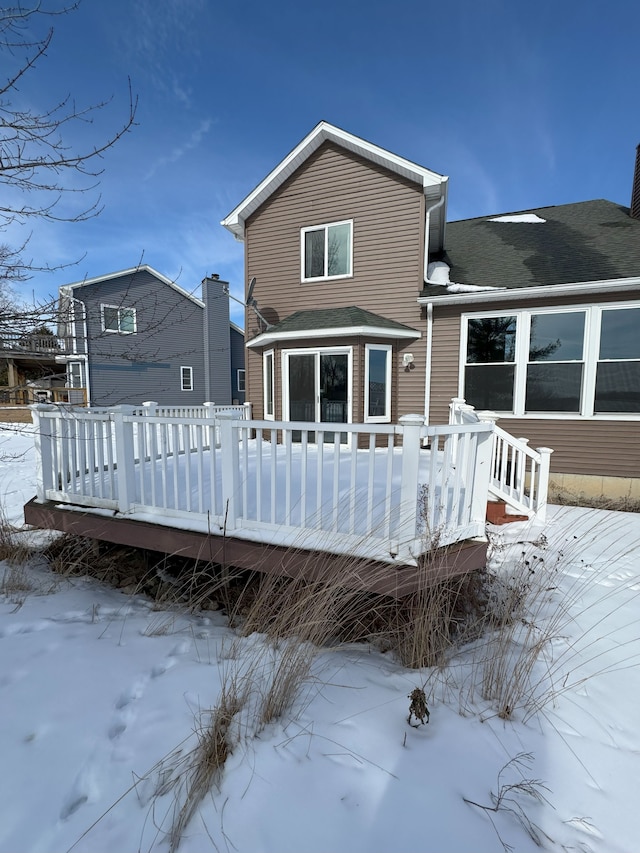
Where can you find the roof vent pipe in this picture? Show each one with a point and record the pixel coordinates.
(635, 191)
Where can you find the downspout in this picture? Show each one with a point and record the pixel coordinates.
(427, 378)
(427, 381)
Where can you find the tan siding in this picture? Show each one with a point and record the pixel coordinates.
(388, 229)
(588, 446)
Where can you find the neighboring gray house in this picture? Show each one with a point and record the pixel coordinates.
(135, 335)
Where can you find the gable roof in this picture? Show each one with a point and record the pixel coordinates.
(591, 241)
(331, 323)
(433, 184)
(65, 288)
(121, 273)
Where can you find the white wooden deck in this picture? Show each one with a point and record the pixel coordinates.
(386, 492)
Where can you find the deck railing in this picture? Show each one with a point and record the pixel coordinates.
(380, 494)
(519, 474)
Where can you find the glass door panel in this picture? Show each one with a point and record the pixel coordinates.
(333, 386)
(302, 390)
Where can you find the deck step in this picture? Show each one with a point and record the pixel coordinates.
(497, 513)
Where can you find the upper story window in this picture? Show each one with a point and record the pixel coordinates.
(119, 320)
(240, 380)
(576, 361)
(327, 251)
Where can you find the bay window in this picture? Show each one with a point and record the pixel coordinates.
(377, 383)
(580, 361)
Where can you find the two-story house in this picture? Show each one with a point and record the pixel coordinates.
(371, 306)
(135, 335)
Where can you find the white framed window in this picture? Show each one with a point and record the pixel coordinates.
(580, 361)
(117, 319)
(75, 374)
(240, 380)
(268, 384)
(186, 378)
(377, 383)
(327, 251)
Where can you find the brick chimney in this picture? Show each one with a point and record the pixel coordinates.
(635, 191)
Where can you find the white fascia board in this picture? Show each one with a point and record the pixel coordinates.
(267, 338)
(237, 328)
(520, 293)
(70, 288)
(323, 131)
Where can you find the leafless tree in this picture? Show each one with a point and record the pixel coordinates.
(38, 166)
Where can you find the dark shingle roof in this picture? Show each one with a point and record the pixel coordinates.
(587, 241)
(335, 318)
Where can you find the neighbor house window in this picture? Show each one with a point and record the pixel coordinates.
(377, 383)
(268, 385)
(75, 374)
(240, 377)
(120, 320)
(327, 251)
(574, 361)
(186, 378)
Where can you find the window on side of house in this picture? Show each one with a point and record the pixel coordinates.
(240, 380)
(268, 385)
(490, 362)
(75, 374)
(575, 361)
(556, 361)
(618, 368)
(186, 378)
(377, 383)
(327, 251)
(119, 320)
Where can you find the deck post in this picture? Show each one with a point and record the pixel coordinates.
(482, 475)
(44, 451)
(408, 521)
(247, 411)
(125, 457)
(150, 408)
(543, 482)
(230, 456)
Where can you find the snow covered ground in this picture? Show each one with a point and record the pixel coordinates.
(96, 688)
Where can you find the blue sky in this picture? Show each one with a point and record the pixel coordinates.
(521, 104)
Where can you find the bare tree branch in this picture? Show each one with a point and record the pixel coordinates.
(37, 164)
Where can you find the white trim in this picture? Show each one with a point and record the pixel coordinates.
(267, 338)
(322, 132)
(269, 416)
(520, 293)
(182, 376)
(119, 309)
(386, 418)
(303, 253)
(590, 359)
(243, 371)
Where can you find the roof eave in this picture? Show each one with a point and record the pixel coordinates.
(518, 293)
(322, 132)
(267, 337)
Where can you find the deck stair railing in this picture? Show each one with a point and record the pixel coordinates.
(368, 489)
(519, 474)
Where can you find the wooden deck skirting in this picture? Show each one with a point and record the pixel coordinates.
(396, 581)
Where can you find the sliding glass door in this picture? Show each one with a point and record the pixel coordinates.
(318, 386)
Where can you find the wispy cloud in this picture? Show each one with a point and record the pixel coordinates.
(179, 151)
